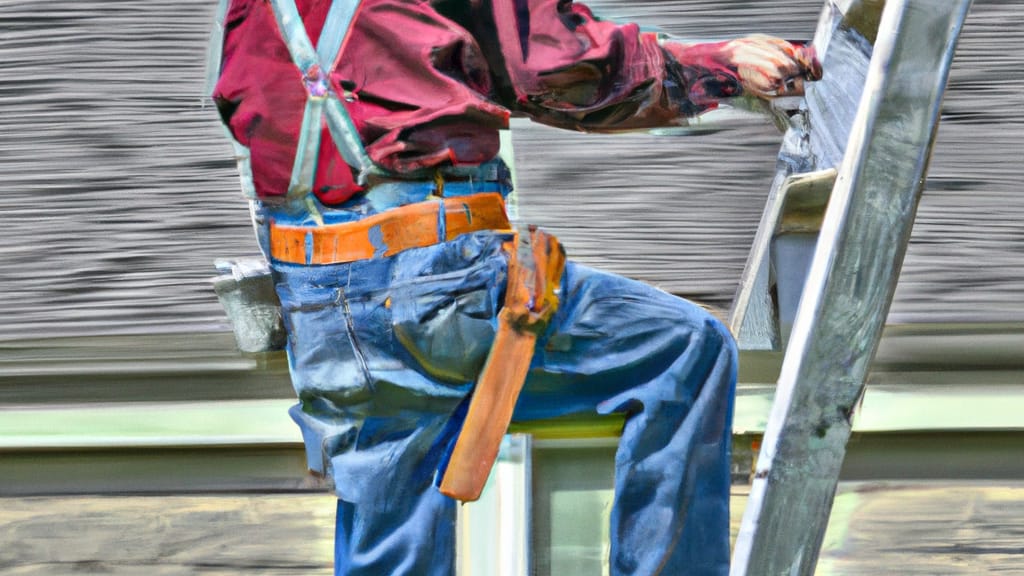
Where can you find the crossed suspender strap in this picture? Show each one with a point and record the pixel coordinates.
(322, 102)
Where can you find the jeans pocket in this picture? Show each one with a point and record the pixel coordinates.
(447, 322)
(326, 362)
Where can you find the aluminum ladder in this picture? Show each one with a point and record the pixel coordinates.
(823, 269)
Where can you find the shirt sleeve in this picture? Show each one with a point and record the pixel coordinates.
(567, 68)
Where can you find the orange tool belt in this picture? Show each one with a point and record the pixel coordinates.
(536, 261)
(411, 226)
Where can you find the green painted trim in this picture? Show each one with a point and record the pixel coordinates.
(126, 391)
(915, 408)
(937, 408)
(132, 425)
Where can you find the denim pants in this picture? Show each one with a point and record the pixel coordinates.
(384, 352)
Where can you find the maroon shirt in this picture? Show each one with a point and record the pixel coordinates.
(432, 81)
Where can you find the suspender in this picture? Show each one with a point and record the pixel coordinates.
(315, 65)
(322, 103)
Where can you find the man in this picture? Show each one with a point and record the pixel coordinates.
(368, 138)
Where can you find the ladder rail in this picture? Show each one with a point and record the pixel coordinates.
(849, 288)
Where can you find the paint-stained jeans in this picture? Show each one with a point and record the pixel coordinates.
(383, 353)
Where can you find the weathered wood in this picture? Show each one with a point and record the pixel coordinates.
(267, 535)
(950, 529)
(922, 528)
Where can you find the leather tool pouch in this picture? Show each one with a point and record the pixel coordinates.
(536, 263)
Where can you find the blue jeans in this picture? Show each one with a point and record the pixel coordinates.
(384, 352)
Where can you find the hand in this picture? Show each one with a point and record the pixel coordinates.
(769, 67)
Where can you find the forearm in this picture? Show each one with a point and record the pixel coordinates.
(758, 65)
(568, 69)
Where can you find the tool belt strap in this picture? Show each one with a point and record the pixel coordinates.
(536, 262)
(412, 226)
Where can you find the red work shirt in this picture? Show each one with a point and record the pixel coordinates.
(431, 82)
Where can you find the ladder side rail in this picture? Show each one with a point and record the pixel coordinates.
(849, 288)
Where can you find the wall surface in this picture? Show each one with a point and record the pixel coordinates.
(117, 190)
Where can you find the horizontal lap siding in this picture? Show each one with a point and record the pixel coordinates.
(117, 189)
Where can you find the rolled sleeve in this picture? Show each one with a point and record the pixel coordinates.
(570, 69)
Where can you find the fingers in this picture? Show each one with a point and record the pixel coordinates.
(764, 71)
(763, 64)
(807, 57)
(769, 59)
(793, 86)
(770, 67)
